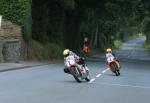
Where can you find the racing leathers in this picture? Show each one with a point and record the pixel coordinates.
(72, 56)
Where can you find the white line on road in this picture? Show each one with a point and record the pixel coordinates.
(91, 80)
(98, 75)
(105, 70)
(121, 85)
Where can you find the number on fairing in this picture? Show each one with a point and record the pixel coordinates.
(110, 59)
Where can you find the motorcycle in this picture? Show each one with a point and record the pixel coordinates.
(114, 66)
(79, 73)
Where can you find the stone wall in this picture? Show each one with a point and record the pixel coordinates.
(10, 30)
(1, 52)
(11, 42)
(10, 50)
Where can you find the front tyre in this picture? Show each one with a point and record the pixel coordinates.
(77, 76)
(88, 77)
(78, 79)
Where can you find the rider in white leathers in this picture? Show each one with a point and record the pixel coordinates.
(110, 57)
(69, 55)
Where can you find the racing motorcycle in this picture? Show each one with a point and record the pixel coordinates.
(79, 73)
(114, 66)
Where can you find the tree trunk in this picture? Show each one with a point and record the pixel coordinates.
(96, 36)
(72, 35)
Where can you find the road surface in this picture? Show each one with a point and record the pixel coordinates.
(48, 83)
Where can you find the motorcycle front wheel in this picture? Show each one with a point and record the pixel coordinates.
(88, 77)
(77, 76)
(78, 79)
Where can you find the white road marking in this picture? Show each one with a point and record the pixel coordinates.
(105, 70)
(91, 80)
(121, 85)
(98, 75)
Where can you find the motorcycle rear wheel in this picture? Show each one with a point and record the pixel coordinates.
(115, 69)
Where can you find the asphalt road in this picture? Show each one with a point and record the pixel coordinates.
(48, 84)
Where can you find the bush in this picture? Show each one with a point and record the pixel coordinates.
(35, 50)
(19, 12)
(54, 51)
(145, 25)
(117, 43)
(147, 47)
(39, 51)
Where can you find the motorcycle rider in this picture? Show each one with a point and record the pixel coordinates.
(73, 56)
(109, 54)
(85, 49)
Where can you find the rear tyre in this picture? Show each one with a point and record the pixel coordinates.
(118, 72)
(115, 69)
